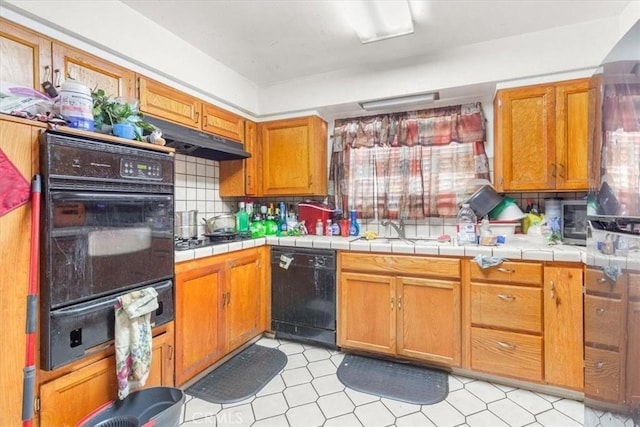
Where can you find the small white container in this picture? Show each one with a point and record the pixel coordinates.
(76, 105)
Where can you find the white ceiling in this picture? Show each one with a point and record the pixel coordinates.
(274, 41)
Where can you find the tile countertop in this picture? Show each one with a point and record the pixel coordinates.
(517, 247)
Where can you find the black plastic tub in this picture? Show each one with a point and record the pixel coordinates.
(155, 406)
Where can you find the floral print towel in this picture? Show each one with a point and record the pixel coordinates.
(133, 338)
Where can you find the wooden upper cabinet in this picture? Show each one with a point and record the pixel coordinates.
(524, 146)
(240, 177)
(164, 102)
(25, 56)
(294, 156)
(94, 72)
(223, 123)
(572, 105)
(541, 137)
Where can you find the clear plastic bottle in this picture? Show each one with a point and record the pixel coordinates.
(319, 228)
(467, 226)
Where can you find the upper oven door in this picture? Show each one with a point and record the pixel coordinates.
(100, 243)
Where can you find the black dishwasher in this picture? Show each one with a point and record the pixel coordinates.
(303, 294)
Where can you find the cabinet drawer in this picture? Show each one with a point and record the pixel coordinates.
(505, 306)
(597, 282)
(400, 264)
(509, 272)
(603, 321)
(602, 374)
(506, 353)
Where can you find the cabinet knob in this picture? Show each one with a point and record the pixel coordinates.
(600, 310)
(599, 364)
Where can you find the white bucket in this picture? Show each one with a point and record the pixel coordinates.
(76, 105)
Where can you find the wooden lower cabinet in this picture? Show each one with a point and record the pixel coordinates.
(67, 399)
(506, 320)
(511, 354)
(408, 314)
(563, 328)
(221, 303)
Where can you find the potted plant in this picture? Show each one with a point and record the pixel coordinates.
(118, 116)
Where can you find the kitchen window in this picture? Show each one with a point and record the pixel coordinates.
(408, 165)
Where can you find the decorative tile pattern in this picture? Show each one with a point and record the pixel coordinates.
(308, 393)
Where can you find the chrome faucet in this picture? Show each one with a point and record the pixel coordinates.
(399, 227)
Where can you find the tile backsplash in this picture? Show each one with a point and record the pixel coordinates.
(197, 186)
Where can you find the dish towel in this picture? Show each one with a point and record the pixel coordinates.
(14, 188)
(133, 338)
(488, 261)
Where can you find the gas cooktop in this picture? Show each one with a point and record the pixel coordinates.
(209, 240)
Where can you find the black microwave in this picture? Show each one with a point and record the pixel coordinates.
(574, 222)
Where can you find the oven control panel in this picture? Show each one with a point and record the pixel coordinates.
(140, 169)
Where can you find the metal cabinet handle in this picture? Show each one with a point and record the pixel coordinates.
(228, 299)
(57, 77)
(599, 364)
(47, 73)
(506, 345)
(197, 117)
(553, 170)
(600, 310)
(224, 299)
(602, 280)
(399, 303)
(552, 289)
(391, 303)
(506, 297)
(562, 170)
(505, 270)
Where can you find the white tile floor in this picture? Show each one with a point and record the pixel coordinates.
(308, 393)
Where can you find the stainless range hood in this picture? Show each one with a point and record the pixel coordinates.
(198, 144)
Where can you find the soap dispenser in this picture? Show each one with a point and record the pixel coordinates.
(354, 227)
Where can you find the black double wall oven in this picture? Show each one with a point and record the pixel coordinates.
(107, 229)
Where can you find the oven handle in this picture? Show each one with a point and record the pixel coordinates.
(102, 302)
(66, 195)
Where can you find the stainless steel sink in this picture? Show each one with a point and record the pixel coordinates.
(422, 241)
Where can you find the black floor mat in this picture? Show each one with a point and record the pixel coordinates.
(397, 381)
(241, 376)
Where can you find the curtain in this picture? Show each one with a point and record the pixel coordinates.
(408, 165)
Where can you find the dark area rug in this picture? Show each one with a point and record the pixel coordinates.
(241, 376)
(397, 381)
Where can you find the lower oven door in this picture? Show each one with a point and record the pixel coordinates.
(76, 331)
(97, 244)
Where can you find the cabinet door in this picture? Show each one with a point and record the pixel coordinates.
(367, 312)
(429, 320)
(525, 139)
(25, 56)
(563, 344)
(162, 101)
(94, 72)
(294, 157)
(199, 333)
(633, 350)
(78, 392)
(161, 373)
(572, 103)
(19, 143)
(240, 177)
(223, 123)
(242, 301)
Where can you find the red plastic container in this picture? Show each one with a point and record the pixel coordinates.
(311, 212)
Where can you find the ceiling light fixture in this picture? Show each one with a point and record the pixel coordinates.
(382, 104)
(375, 20)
